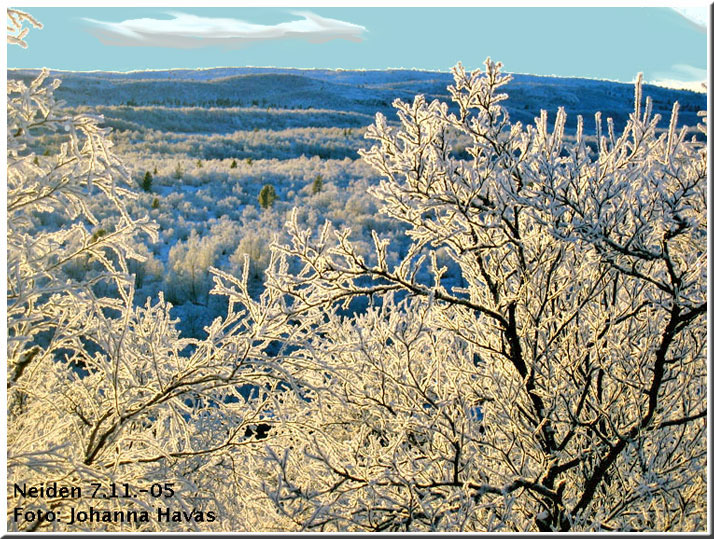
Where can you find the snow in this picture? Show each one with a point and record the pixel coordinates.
(166, 118)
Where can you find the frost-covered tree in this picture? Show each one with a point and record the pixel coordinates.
(100, 390)
(189, 263)
(16, 31)
(255, 245)
(554, 378)
(561, 387)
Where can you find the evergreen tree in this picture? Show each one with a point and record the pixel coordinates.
(317, 184)
(267, 196)
(146, 182)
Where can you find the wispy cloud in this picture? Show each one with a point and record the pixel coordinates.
(699, 86)
(681, 76)
(185, 31)
(698, 16)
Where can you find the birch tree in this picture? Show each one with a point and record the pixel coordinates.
(563, 388)
(100, 390)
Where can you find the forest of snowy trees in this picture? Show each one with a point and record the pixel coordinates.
(507, 334)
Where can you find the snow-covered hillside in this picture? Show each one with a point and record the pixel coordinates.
(364, 92)
(212, 139)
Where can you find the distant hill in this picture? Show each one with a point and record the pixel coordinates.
(357, 95)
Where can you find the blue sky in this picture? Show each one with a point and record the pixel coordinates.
(602, 42)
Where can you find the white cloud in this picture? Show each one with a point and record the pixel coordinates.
(694, 85)
(185, 31)
(681, 76)
(697, 15)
